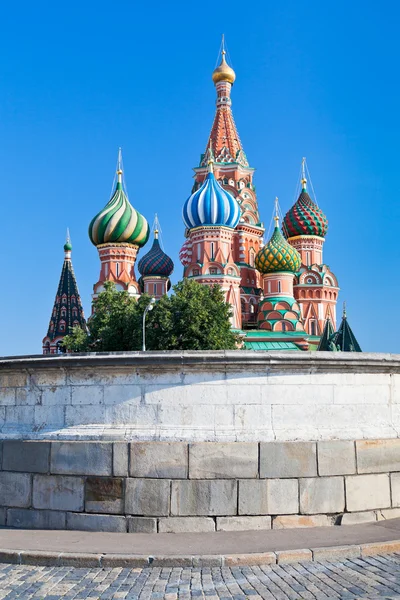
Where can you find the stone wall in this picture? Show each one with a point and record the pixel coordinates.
(201, 396)
(204, 486)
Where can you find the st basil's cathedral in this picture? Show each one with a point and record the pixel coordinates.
(282, 295)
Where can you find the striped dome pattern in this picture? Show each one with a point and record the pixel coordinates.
(156, 262)
(185, 254)
(211, 205)
(305, 218)
(277, 255)
(119, 222)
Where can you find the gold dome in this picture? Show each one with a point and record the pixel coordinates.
(224, 72)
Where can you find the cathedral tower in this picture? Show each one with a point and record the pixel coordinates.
(155, 269)
(118, 231)
(232, 171)
(67, 310)
(315, 287)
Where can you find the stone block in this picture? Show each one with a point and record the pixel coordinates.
(37, 558)
(28, 396)
(35, 519)
(252, 417)
(124, 561)
(80, 560)
(18, 418)
(210, 497)
(207, 561)
(15, 489)
(268, 497)
(83, 522)
(81, 458)
(104, 495)
(388, 513)
(378, 456)
(243, 523)
(118, 394)
(336, 553)
(159, 460)
(2, 516)
(142, 525)
(358, 517)
(87, 394)
(7, 397)
(288, 459)
(147, 497)
(120, 459)
(380, 548)
(210, 460)
(51, 377)
(366, 492)
(242, 560)
(56, 396)
(48, 418)
(30, 457)
(362, 393)
(13, 379)
(299, 521)
(171, 561)
(186, 525)
(321, 495)
(285, 557)
(336, 458)
(57, 492)
(395, 487)
(77, 416)
(11, 557)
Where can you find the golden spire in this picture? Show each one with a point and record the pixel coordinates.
(303, 174)
(224, 72)
(276, 217)
(119, 168)
(211, 166)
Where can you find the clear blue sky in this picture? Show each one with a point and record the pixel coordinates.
(78, 79)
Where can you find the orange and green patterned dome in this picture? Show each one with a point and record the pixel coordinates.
(305, 217)
(277, 255)
(119, 222)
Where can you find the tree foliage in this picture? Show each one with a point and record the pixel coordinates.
(194, 317)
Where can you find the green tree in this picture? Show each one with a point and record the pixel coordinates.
(194, 317)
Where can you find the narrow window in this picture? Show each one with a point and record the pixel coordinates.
(155, 289)
(212, 250)
(279, 287)
(283, 326)
(313, 327)
(308, 258)
(117, 269)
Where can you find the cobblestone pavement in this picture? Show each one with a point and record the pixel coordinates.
(375, 577)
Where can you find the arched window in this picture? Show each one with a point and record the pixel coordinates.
(313, 327)
(252, 258)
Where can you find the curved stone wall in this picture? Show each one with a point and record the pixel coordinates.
(201, 396)
(204, 486)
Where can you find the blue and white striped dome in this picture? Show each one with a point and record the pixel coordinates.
(211, 205)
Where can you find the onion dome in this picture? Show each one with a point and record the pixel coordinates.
(224, 72)
(305, 217)
(278, 254)
(156, 262)
(211, 205)
(119, 222)
(185, 254)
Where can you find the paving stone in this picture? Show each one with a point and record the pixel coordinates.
(223, 460)
(321, 495)
(58, 492)
(378, 456)
(336, 458)
(15, 489)
(288, 459)
(104, 495)
(83, 522)
(147, 497)
(81, 458)
(35, 519)
(268, 496)
(367, 492)
(186, 525)
(243, 523)
(29, 457)
(159, 460)
(298, 521)
(204, 497)
(142, 525)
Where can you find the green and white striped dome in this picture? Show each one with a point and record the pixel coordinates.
(119, 222)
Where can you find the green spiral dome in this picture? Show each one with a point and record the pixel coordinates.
(277, 255)
(119, 222)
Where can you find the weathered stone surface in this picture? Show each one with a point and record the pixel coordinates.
(57, 492)
(321, 495)
(186, 525)
(268, 497)
(378, 456)
(285, 557)
(83, 522)
(298, 521)
(243, 523)
(142, 525)
(336, 552)
(39, 559)
(7, 397)
(238, 560)
(204, 497)
(104, 495)
(120, 459)
(395, 486)
(159, 460)
(336, 458)
(2, 516)
(81, 458)
(388, 513)
(87, 394)
(366, 492)
(15, 489)
(80, 560)
(147, 497)
(358, 517)
(35, 519)
(288, 459)
(223, 461)
(30, 457)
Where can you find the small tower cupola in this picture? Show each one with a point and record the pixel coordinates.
(155, 267)
(277, 255)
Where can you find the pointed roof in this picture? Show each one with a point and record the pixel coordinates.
(67, 310)
(325, 343)
(344, 339)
